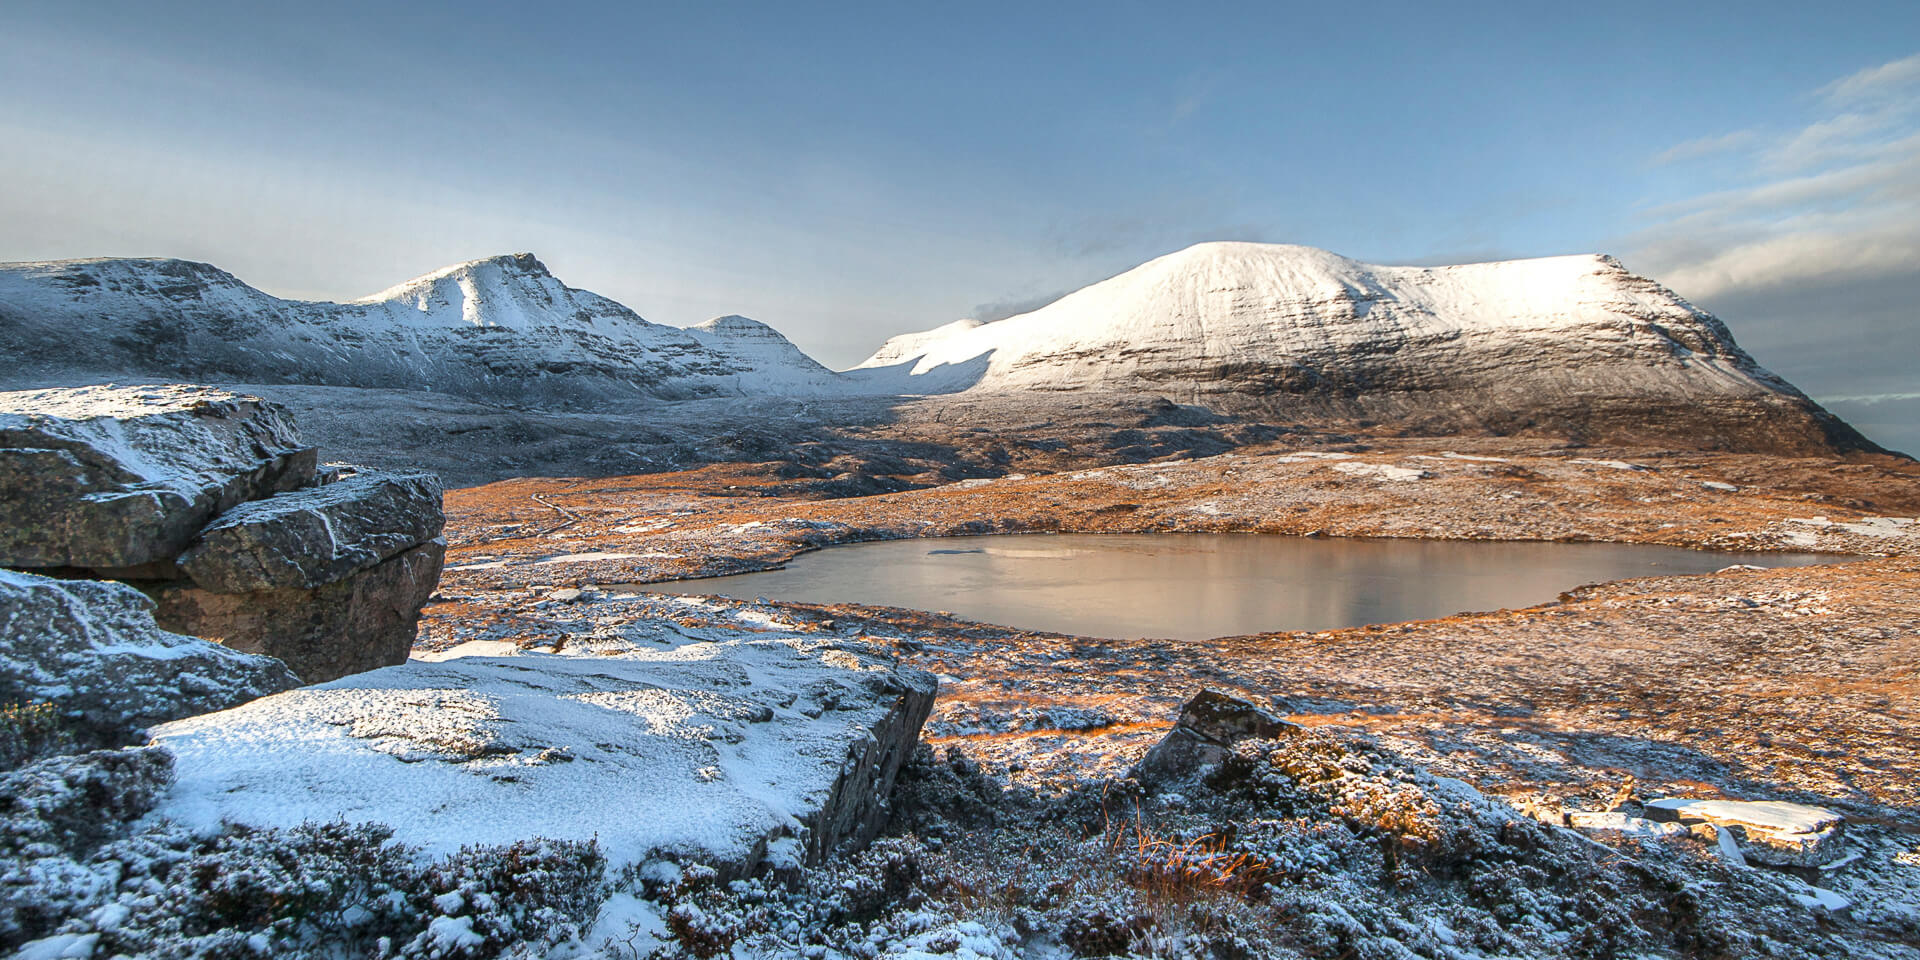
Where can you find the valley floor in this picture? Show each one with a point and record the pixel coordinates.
(1796, 683)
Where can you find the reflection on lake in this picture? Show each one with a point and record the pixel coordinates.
(1195, 586)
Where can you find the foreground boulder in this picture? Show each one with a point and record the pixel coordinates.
(207, 501)
(112, 477)
(317, 536)
(729, 752)
(363, 621)
(92, 650)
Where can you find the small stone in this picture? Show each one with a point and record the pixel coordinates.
(1208, 727)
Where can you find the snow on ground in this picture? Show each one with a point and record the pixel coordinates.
(1381, 471)
(703, 747)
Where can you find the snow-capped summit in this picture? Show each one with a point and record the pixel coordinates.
(760, 352)
(1572, 345)
(499, 328)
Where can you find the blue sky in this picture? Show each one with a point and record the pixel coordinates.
(849, 172)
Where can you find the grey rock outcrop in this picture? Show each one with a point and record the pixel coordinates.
(733, 753)
(364, 620)
(207, 501)
(314, 537)
(1208, 727)
(92, 649)
(116, 477)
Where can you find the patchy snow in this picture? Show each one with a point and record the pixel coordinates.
(1768, 814)
(590, 557)
(1865, 526)
(1811, 896)
(1381, 471)
(1611, 464)
(1622, 824)
(1306, 456)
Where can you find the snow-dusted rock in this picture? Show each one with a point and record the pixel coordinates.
(500, 329)
(1208, 727)
(91, 648)
(361, 621)
(1572, 346)
(707, 750)
(309, 538)
(1774, 831)
(110, 477)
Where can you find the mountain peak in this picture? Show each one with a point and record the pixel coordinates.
(734, 325)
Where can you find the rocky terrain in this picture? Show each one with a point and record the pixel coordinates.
(167, 795)
(1793, 684)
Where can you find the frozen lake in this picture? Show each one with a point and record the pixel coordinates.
(1196, 586)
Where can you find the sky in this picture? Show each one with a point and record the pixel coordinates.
(846, 172)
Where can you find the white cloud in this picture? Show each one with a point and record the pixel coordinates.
(1704, 147)
(1888, 78)
(1835, 199)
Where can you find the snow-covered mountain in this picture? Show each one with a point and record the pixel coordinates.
(500, 329)
(1574, 346)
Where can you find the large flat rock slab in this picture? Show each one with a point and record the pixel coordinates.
(363, 621)
(92, 650)
(309, 538)
(111, 477)
(708, 750)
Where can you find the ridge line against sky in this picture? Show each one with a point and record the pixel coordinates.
(846, 175)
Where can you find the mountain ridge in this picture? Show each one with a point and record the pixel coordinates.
(500, 329)
(1572, 346)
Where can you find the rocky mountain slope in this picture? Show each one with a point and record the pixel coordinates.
(1575, 346)
(501, 329)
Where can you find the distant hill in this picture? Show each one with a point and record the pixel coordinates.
(1574, 346)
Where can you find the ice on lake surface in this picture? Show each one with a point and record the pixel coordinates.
(1197, 586)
